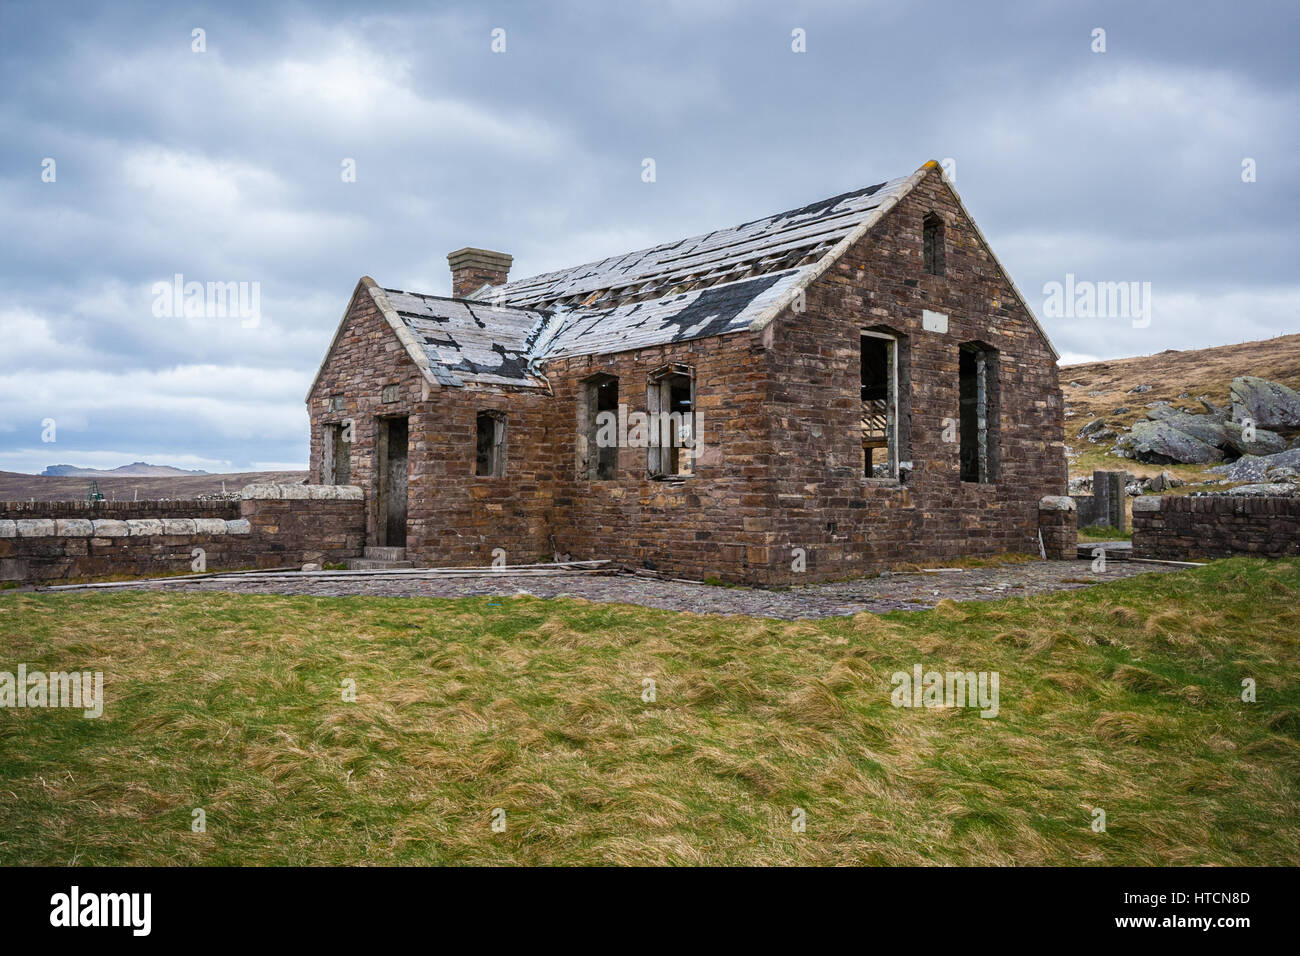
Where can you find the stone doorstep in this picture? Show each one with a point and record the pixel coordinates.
(1115, 550)
(373, 564)
(376, 553)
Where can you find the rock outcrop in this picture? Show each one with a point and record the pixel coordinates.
(1162, 443)
(1171, 435)
(1255, 468)
(1267, 404)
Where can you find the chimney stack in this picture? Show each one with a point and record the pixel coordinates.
(471, 269)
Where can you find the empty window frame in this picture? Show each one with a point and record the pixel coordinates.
(978, 393)
(490, 457)
(670, 400)
(336, 468)
(599, 410)
(880, 445)
(932, 244)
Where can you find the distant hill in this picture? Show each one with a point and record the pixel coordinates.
(115, 486)
(1108, 390)
(137, 469)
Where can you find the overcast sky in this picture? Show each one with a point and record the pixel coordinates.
(227, 165)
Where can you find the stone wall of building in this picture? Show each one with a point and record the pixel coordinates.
(713, 524)
(1184, 528)
(277, 526)
(454, 517)
(459, 518)
(848, 524)
(778, 495)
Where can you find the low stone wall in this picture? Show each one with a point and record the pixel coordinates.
(1057, 527)
(122, 510)
(1183, 528)
(274, 526)
(297, 524)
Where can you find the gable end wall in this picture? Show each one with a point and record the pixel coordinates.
(848, 525)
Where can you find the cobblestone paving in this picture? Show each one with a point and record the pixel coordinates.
(889, 592)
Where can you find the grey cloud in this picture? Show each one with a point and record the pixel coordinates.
(224, 166)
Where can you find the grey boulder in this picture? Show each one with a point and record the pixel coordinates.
(1269, 404)
(1261, 490)
(1256, 467)
(1162, 443)
(1264, 442)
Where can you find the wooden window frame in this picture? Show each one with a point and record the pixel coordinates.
(658, 456)
(497, 466)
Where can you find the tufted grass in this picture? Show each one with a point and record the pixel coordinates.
(1124, 697)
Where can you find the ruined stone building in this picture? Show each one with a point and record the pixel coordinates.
(831, 390)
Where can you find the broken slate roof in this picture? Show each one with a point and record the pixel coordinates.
(466, 341)
(711, 284)
(721, 282)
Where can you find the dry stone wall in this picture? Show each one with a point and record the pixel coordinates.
(277, 526)
(1186, 528)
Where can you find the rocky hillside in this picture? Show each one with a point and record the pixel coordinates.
(1190, 413)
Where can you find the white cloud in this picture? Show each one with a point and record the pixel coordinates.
(1077, 358)
(215, 401)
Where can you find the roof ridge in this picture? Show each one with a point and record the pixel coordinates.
(788, 213)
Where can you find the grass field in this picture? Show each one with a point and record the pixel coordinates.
(1104, 533)
(1124, 697)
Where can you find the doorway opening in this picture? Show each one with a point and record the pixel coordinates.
(390, 495)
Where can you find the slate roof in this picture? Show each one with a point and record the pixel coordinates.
(468, 341)
(786, 240)
(711, 284)
(724, 281)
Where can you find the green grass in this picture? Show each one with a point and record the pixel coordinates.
(1124, 697)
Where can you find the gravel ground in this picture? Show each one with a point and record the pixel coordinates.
(889, 592)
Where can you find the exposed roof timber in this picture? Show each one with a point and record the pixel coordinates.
(527, 289)
(786, 236)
